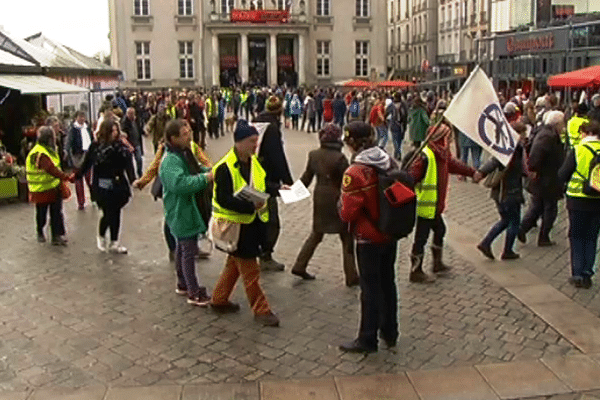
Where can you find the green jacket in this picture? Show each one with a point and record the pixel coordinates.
(179, 202)
(418, 122)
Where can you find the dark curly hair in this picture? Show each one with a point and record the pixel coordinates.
(359, 136)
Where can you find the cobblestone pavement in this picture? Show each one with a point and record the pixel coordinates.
(73, 317)
(470, 206)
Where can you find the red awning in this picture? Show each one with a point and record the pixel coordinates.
(395, 84)
(581, 78)
(357, 83)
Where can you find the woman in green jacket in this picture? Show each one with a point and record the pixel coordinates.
(418, 121)
(182, 178)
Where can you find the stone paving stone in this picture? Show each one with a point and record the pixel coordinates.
(388, 387)
(451, 384)
(246, 391)
(89, 393)
(322, 389)
(145, 393)
(578, 372)
(521, 379)
(14, 396)
(108, 319)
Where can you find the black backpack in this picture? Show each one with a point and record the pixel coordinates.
(591, 189)
(397, 203)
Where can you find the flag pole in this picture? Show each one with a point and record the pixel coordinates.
(413, 157)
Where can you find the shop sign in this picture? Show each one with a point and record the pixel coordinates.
(532, 43)
(285, 61)
(562, 11)
(556, 39)
(260, 16)
(229, 62)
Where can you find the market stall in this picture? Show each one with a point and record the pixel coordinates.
(581, 78)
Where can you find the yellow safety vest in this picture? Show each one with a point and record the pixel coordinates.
(583, 157)
(573, 129)
(258, 177)
(211, 108)
(427, 189)
(38, 180)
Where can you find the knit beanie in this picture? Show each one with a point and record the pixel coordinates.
(243, 130)
(330, 133)
(273, 104)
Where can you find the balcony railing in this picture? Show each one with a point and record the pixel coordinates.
(473, 19)
(142, 21)
(294, 18)
(483, 17)
(186, 21)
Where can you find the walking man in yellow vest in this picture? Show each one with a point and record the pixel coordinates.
(44, 178)
(431, 172)
(575, 123)
(583, 205)
(238, 168)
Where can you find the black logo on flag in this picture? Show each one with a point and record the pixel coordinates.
(497, 136)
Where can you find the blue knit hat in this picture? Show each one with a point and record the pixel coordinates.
(243, 130)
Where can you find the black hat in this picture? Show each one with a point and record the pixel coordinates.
(357, 130)
(582, 108)
(243, 130)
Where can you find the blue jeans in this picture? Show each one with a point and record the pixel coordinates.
(475, 155)
(185, 265)
(137, 154)
(397, 138)
(510, 219)
(382, 136)
(584, 227)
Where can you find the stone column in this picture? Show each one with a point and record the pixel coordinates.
(216, 62)
(273, 60)
(244, 57)
(301, 60)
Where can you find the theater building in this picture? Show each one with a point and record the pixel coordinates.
(179, 43)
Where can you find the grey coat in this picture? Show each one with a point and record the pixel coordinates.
(328, 164)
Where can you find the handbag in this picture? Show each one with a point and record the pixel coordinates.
(65, 191)
(157, 188)
(494, 178)
(224, 234)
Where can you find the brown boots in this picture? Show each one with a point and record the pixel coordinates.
(417, 275)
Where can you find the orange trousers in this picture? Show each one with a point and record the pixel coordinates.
(250, 272)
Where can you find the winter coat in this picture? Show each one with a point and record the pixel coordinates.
(511, 188)
(309, 104)
(418, 122)
(296, 106)
(359, 201)
(271, 152)
(156, 128)
(545, 159)
(180, 186)
(327, 110)
(328, 164)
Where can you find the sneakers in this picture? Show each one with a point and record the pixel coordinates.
(356, 347)
(114, 248)
(201, 300)
(59, 241)
(271, 265)
(101, 243)
(269, 319)
(486, 251)
(226, 308)
(546, 243)
(180, 290)
(522, 236)
(510, 256)
(41, 238)
(581, 282)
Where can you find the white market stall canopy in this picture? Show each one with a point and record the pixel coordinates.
(38, 84)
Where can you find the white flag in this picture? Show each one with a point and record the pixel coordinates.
(476, 112)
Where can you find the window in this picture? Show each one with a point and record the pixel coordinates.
(227, 6)
(141, 7)
(281, 4)
(185, 7)
(362, 8)
(323, 8)
(186, 60)
(323, 58)
(362, 58)
(142, 56)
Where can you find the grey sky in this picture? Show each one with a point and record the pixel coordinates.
(79, 24)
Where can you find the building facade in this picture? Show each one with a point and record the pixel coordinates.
(265, 42)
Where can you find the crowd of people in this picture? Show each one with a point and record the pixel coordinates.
(555, 156)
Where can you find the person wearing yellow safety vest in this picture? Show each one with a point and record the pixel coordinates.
(431, 170)
(580, 117)
(212, 115)
(583, 206)
(44, 178)
(238, 168)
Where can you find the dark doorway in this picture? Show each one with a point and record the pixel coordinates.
(286, 71)
(257, 63)
(228, 57)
